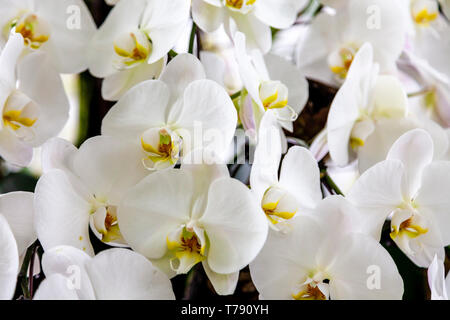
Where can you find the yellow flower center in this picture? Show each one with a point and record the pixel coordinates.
(132, 48)
(20, 114)
(34, 30)
(187, 249)
(315, 287)
(15, 121)
(243, 6)
(278, 205)
(407, 228)
(311, 292)
(340, 61)
(161, 146)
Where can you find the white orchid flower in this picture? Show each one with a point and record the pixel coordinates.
(132, 44)
(331, 42)
(62, 29)
(166, 119)
(429, 35)
(180, 217)
(84, 191)
(412, 189)
(434, 98)
(32, 100)
(252, 17)
(322, 258)
(364, 98)
(271, 83)
(114, 274)
(296, 190)
(16, 235)
(438, 283)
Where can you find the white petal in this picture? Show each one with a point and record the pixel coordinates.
(436, 280)
(258, 34)
(117, 84)
(180, 72)
(215, 66)
(9, 261)
(249, 75)
(224, 284)
(415, 150)
(360, 262)
(55, 287)
(432, 196)
(377, 193)
(61, 214)
(144, 106)
(109, 167)
(57, 153)
(13, 150)
(343, 113)
(124, 17)
(276, 13)
(292, 77)
(300, 175)
(155, 207)
(9, 56)
(389, 98)
(267, 156)
(377, 145)
(286, 259)
(235, 224)
(206, 104)
(121, 274)
(41, 82)
(207, 16)
(17, 208)
(72, 28)
(164, 22)
(70, 263)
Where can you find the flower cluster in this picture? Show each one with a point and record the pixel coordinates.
(312, 219)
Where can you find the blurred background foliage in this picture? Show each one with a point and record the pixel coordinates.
(87, 110)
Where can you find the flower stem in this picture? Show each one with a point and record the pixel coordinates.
(25, 282)
(192, 38)
(330, 183)
(235, 95)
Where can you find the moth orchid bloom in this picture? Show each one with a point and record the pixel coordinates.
(132, 44)
(252, 17)
(16, 235)
(166, 119)
(270, 84)
(32, 101)
(438, 283)
(296, 190)
(364, 99)
(181, 217)
(413, 192)
(114, 274)
(84, 191)
(61, 29)
(434, 99)
(322, 258)
(429, 34)
(329, 47)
